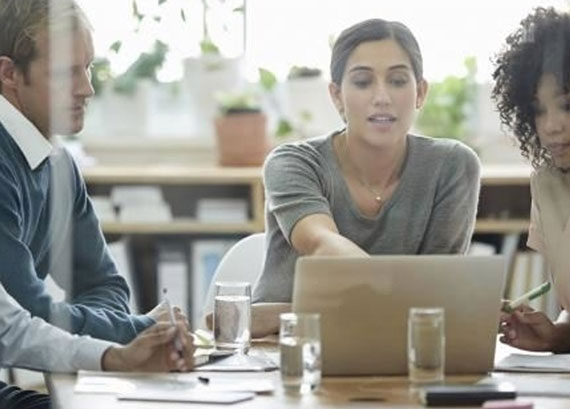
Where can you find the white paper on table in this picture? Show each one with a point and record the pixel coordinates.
(196, 396)
(559, 363)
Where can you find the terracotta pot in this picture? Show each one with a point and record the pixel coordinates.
(242, 139)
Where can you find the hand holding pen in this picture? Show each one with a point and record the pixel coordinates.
(525, 298)
(178, 344)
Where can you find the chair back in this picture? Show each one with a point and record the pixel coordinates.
(242, 262)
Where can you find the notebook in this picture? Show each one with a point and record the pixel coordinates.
(364, 304)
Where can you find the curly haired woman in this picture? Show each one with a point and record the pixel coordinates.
(532, 92)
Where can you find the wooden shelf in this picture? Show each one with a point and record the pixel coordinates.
(501, 225)
(493, 176)
(505, 175)
(160, 174)
(179, 227)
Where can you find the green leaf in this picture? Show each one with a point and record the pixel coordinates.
(183, 15)
(157, 19)
(208, 47)
(116, 46)
(136, 13)
(240, 9)
(267, 79)
(161, 2)
(283, 127)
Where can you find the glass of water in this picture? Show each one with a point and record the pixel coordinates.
(232, 316)
(426, 345)
(300, 350)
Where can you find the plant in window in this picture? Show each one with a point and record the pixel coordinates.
(241, 129)
(449, 104)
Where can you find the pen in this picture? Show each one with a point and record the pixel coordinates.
(523, 299)
(177, 341)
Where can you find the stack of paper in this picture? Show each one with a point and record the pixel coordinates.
(103, 208)
(556, 363)
(221, 210)
(174, 387)
(141, 204)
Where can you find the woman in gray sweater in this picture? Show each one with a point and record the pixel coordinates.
(372, 187)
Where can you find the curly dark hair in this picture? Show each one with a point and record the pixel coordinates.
(540, 45)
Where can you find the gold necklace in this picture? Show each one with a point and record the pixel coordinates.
(375, 192)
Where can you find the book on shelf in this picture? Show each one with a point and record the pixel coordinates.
(172, 275)
(104, 209)
(141, 204)
(224, 210)
(206, 255)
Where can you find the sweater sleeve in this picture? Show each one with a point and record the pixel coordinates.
(97, 296)
(32, 343)
(452, 219)
(294, 185)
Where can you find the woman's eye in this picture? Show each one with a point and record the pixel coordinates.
(361, 83)
(398, 82)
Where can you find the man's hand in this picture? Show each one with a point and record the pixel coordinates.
(152, 351)
(160, 314)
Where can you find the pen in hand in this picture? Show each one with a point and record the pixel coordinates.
(177, 342)
(523, 299)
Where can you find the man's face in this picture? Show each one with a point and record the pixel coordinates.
(41, 95)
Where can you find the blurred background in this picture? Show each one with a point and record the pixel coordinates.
(162, 65)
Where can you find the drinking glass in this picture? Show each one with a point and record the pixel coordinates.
(300, 348)
(232, 316)
(426, 345)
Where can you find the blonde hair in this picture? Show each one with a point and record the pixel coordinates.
(22, 20)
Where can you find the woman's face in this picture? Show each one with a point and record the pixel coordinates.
(379, 94)
(552, 120)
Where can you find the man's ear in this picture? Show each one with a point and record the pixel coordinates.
(423, 87)
(8, 72)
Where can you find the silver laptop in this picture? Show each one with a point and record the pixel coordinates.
(364, 305)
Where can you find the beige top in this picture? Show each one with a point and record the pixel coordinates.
(549, 231)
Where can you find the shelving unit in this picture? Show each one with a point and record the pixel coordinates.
(250, 178)
(504, 206)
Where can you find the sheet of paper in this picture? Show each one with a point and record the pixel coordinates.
(241, 363)
(194, 396)
(124, 383)
(558, 363)
(546, 385)
(114, 383)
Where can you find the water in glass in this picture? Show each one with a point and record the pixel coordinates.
(232, 322)
(426, 345)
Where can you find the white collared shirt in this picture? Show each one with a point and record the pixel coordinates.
(31, 342)
(35, 147)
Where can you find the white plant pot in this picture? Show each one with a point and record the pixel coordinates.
(126, 115)
(310, 95)
(205, 77)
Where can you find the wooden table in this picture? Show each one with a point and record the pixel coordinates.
(335, 392)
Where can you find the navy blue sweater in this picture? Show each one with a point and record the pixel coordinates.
(64, 240)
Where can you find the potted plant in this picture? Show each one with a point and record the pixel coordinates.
(241, 130)
(217, 68)
(307, 101)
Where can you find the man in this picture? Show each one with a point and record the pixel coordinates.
(36, 232)
(32, 343)
(47, 222)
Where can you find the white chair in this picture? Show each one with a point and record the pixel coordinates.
(242, 262)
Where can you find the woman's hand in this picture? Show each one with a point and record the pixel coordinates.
(528, 329)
